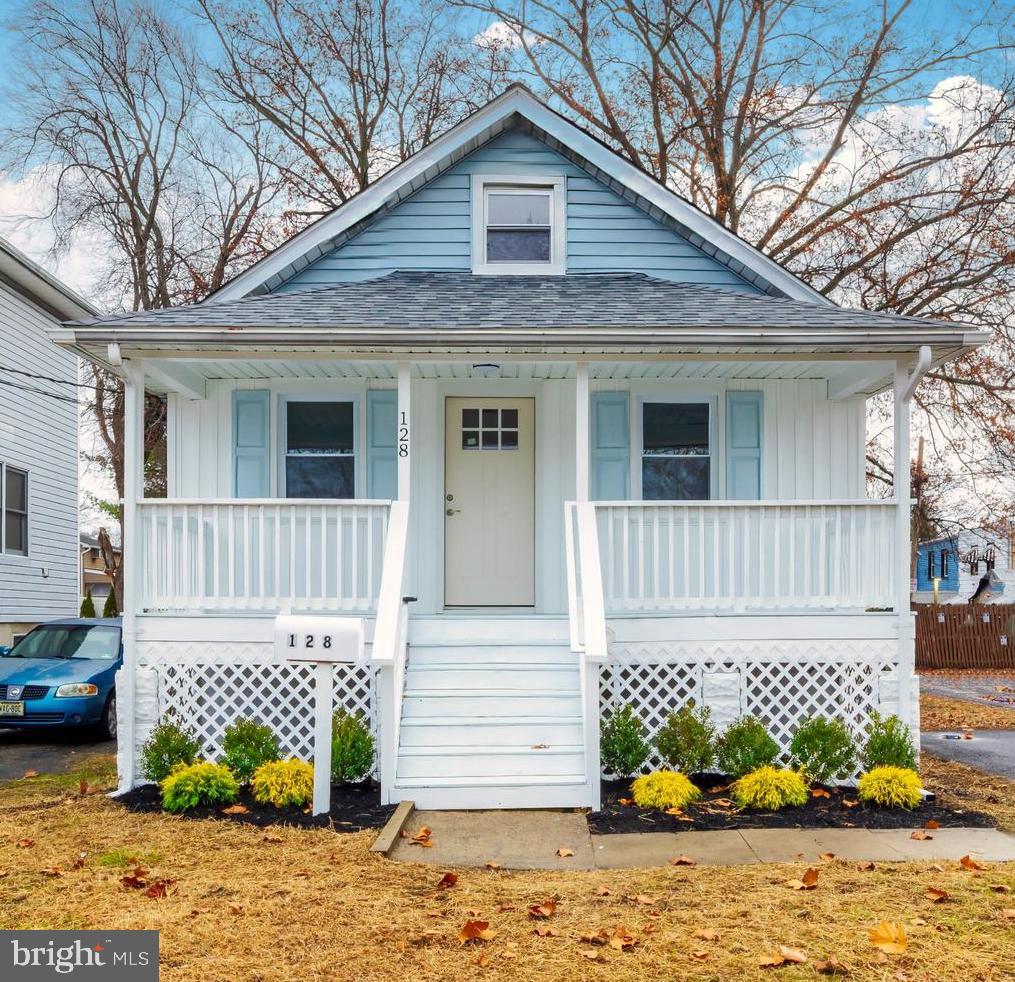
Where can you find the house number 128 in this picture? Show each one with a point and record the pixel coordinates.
(403, 436)
(309, 640)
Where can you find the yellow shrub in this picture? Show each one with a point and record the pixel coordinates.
(200, 783)
(664, 789)
(891, 787)
(283, 782)
(770, 788)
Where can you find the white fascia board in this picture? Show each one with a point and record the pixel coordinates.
(519, 101)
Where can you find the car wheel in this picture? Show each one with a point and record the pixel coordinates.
(108, 724)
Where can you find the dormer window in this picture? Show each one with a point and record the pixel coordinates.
(518, 225)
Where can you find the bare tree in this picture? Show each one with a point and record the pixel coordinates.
(861, 152)
(110, 108)
(346, 88)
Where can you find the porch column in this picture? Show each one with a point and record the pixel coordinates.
(133, 489)
(404, 442)
(581, 431)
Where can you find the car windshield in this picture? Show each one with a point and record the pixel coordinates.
(69, 641)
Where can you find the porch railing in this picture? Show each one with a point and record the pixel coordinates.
(261, 555)
(747, 556)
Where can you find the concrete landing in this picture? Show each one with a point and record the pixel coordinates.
(532, 840)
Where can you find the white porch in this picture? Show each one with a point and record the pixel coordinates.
(780, 606)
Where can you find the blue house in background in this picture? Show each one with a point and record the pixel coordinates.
(937, 559)
(959, 561)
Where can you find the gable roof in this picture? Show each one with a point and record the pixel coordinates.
(518, 106)
(32, 281)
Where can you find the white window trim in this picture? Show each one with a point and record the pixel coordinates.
(637, 443)
(359, 477)
(3, 510)
(557, 185)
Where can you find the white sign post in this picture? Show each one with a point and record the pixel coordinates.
(324, 642)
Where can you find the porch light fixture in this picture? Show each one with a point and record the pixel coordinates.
(486, 370)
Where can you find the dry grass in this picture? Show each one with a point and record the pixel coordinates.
(960, 786)
(942, 713)
(314, 905)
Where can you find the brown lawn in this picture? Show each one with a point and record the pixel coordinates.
(941, 713)
(250, 906)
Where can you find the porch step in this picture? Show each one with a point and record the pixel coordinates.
(487, 762)
(461, 731)
(476, 629)
(489, 702)
(563, 791)
(490, 676)
(506, 652)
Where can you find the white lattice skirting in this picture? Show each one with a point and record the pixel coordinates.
(208, 692)
(779, 682)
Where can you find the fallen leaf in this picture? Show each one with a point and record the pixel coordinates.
(506, 908)
(706, 934)
(850, 802)
(481, 960)
(447, 880)
(51, 871)
(865, 867)
(641, 898)
(1008, 913)
(603, 892)
(702, 954)
(136, 880)
(674, 811)
(595, 955)
(473, 912)
(722, 803)
(490, 864)
(932, 823)
(936, 868)
(827, 857)
(25, 843)
(421, 838)
(936, 895)
(967, 862)
(830, 966)
(807, 882)
(820, 793)
(80, 861)
(920, 835)
(475, 931)
(30, 774)
(626, 801)
(794, 955)
(890, 937)
(236, 908)
(436, 913)
(622, 939)
(540, 746)
(545, 931)
(159, 889)
(541, 912)
(85, 788)
(272, 838)
(600, 937)
(682, 861)
(564, 852)
(236, 809)
(1000, 888)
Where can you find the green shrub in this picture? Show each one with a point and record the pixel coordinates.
(352, 748)
(168, 745)
(687, 739)
(890, 787)
(889, 744)
(283, 782)
(109, 608)
(622, 745)
(823, 749)
(87, 606)
(770, 788)
(246, 745)
(663, 789)
(201, 783)
(744, 747)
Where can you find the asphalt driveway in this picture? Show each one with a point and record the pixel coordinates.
(989, 750)
(48, 752)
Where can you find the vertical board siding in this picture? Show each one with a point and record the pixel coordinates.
(40, 435)
(431, 230)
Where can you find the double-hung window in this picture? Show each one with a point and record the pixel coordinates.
(14, 500)
(676, 451)
(518, 225)
(320, 449)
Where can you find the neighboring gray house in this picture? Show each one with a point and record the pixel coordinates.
(39, 559)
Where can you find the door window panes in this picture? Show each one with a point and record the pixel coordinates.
(320, 457)
(676, 452)
(490, 429)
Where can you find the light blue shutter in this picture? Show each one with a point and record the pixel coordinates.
(382, 427)
(743, 445)
(251, 443)
(611, 446)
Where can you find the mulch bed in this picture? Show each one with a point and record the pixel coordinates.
(716, 811)
(353, 807)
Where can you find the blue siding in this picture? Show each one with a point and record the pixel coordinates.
(928, 556)
(432, 229)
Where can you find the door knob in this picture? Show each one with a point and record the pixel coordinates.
(452, 511)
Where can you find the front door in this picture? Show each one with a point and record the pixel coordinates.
(489, 503)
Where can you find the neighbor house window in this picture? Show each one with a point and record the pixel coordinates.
(320, 460)
(930, 564)
(944, 564)
(676, 461)
(518, 227)
(14, 494)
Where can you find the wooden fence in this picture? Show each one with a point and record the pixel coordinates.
(965, 636)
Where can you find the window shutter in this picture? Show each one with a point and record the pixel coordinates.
(743, 445)
(611, 446)
(382, 427)
(251, 443)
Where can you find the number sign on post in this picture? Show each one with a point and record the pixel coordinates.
(323, 642)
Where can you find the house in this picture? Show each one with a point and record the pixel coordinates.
(95, 578)
(562, 441)
(959, 561)
(38, 447)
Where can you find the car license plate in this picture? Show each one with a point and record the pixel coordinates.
(12, 709)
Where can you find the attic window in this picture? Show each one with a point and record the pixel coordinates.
(518, 225)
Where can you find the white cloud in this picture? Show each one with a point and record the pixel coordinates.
(501, 36)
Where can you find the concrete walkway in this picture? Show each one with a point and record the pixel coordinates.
(992, 751)
(534, 839)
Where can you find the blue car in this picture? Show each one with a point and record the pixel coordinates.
(62, 674)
